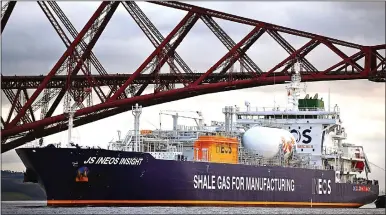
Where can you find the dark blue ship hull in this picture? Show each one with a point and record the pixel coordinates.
(103, 177)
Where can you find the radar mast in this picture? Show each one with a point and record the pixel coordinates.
(294, 87)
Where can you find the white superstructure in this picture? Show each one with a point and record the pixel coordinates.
(311, 124)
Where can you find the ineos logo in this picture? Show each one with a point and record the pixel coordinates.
(224, 148)
(304, 136)
(322, 186)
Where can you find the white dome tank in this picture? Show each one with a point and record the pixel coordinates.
(266, 141)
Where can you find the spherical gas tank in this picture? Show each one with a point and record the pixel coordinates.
(266, 141)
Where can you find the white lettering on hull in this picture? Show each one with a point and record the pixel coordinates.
(323, 186)
(211, 182)
(114, 161)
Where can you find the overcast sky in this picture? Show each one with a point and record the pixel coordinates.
(30, 46)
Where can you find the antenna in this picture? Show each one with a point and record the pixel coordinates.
(119, 135)
(274, 92)
(274, 102)
(329, 100)
(160, 123)
(247, 104)
(136, 111)
(294, 86)
(68, 110)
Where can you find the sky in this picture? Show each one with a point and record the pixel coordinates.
(30, 46)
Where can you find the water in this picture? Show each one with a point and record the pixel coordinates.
(41, 208)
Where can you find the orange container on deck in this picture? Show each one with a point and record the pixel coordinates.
(143, 132)
(216, 149)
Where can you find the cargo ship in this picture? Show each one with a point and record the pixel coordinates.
(272, 157)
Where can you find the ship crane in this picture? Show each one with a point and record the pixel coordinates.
(175, 114)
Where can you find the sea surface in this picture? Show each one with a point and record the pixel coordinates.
(41, 208)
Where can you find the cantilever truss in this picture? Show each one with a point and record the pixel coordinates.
(72, 72)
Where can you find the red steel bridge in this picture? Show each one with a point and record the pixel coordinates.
(71, 75)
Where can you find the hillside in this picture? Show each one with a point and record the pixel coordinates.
(13, 188)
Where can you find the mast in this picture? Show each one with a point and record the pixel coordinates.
(329, 104)
(137, 110)
(294, 87)
(70, 113)
(70, 126)
(67, 108)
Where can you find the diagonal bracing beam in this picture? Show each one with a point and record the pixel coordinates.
(50, 94)
(300, 52)
(47, 93)
(6, 11)
(247, 21)
(104, 11)
(229, 59)
(84, 67)
(290, 50)
(156, 39)
(348, 60)
(167, 51)
(73, 32)
(186, 23)
(16, 101)
(2, 123)
(344, 62)
(245, 61)
(157, 34)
